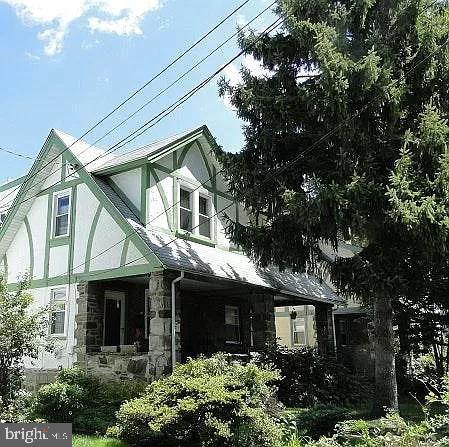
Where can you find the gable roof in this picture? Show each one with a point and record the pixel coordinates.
(42, 167)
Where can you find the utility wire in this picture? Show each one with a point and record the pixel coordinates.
(16, 154)
(136, 92)
(169, 86)
(164, 113)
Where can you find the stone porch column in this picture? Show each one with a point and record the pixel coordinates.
(160, 354)
(89, 321)
(324, 329)
(263, 324)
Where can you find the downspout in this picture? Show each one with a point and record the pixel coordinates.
(173, 319)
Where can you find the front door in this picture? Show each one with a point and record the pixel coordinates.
(114, 319)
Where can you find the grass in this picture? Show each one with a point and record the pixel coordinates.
(95, 441)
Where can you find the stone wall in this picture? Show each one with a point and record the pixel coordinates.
(118, 366)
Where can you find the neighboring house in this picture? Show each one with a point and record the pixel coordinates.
(130, 252)
(295, 326)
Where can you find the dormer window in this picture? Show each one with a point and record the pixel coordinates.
(185, 210)
(61, 214)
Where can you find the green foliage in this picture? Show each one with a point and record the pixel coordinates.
(308, 378)
(23, 332)
(85, 401)
(18, 409)
(95, 441)
(209, 402)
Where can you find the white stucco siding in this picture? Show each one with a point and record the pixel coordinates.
(157, 216)
(18, 255)
(7, 197)
(193, 166)
(63, 356)
(107, 234)
(86, 207)
(130, 183)
(37, 217)
(55, 174)
(58, 261)
(221, 222)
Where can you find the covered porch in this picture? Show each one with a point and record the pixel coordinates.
(124, 326)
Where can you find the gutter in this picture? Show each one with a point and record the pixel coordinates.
(173, 319)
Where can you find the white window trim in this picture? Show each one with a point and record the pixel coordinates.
(234, 342)
(66, 310)
(56, 195)
(196, 191)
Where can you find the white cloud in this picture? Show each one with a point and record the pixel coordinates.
(232, 74)
(121, 17)
(32, 57)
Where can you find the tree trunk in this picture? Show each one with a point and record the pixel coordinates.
(386, 390)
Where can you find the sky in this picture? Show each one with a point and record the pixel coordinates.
(65, 64)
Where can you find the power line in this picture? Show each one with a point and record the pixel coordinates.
(178, 79)
(164, 113)
(16, 154)
(136, 92)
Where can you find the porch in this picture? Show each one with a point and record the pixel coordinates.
(124, 326)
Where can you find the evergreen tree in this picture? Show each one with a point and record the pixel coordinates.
(368, 133)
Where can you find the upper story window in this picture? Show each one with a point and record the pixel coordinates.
(61, 214)
(185, 209)
(204, 215)
(58, 303)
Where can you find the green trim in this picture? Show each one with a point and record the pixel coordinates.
(118, 272)
(124, 252)
(59, 187)
(12, 183)
(174, 160)
(175, 209)
(90, 239)
(183, 154)
(73, 202)
(124, 197)
(58, 241)
(31, 245)
(48, 235)
(63, 168)
(194, 238)
(143, 194)
(206, 162)
(163, 197)
(123, 167)
(162, 168)
(5, 269)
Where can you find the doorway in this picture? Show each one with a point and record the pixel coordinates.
(114, 318)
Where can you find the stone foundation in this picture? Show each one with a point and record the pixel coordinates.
(117, 366)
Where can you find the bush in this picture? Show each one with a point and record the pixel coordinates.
(321, 420)
(206, 402)
(85, 401)
(309, 378)
(16, 410)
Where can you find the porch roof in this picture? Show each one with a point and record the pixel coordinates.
(180, 254)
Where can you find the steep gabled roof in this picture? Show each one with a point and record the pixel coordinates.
(42, 167)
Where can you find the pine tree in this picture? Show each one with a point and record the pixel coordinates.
(368, 130)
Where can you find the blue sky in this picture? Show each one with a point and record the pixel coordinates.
(65, 64)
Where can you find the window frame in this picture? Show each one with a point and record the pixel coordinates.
(239, 325)
(294, 331)
(208, 215)
(64, 301)
(57, 195)
(195, 193)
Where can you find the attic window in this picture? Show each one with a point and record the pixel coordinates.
(204, 216)
(61, 214)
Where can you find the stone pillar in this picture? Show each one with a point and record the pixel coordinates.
(263, 324)
(160, 323)
(324, 329)
(89, 321)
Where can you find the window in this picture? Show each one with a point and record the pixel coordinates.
(204, 216)
(232, 324)
(61, 214)
(185, 210)
(299, 331)
(57, 311)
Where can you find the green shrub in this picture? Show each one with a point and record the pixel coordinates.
(85, 401)
(309, 378)
(206, 402)
(321, 420)
(16, 410)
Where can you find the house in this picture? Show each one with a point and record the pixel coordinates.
(130, 253)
